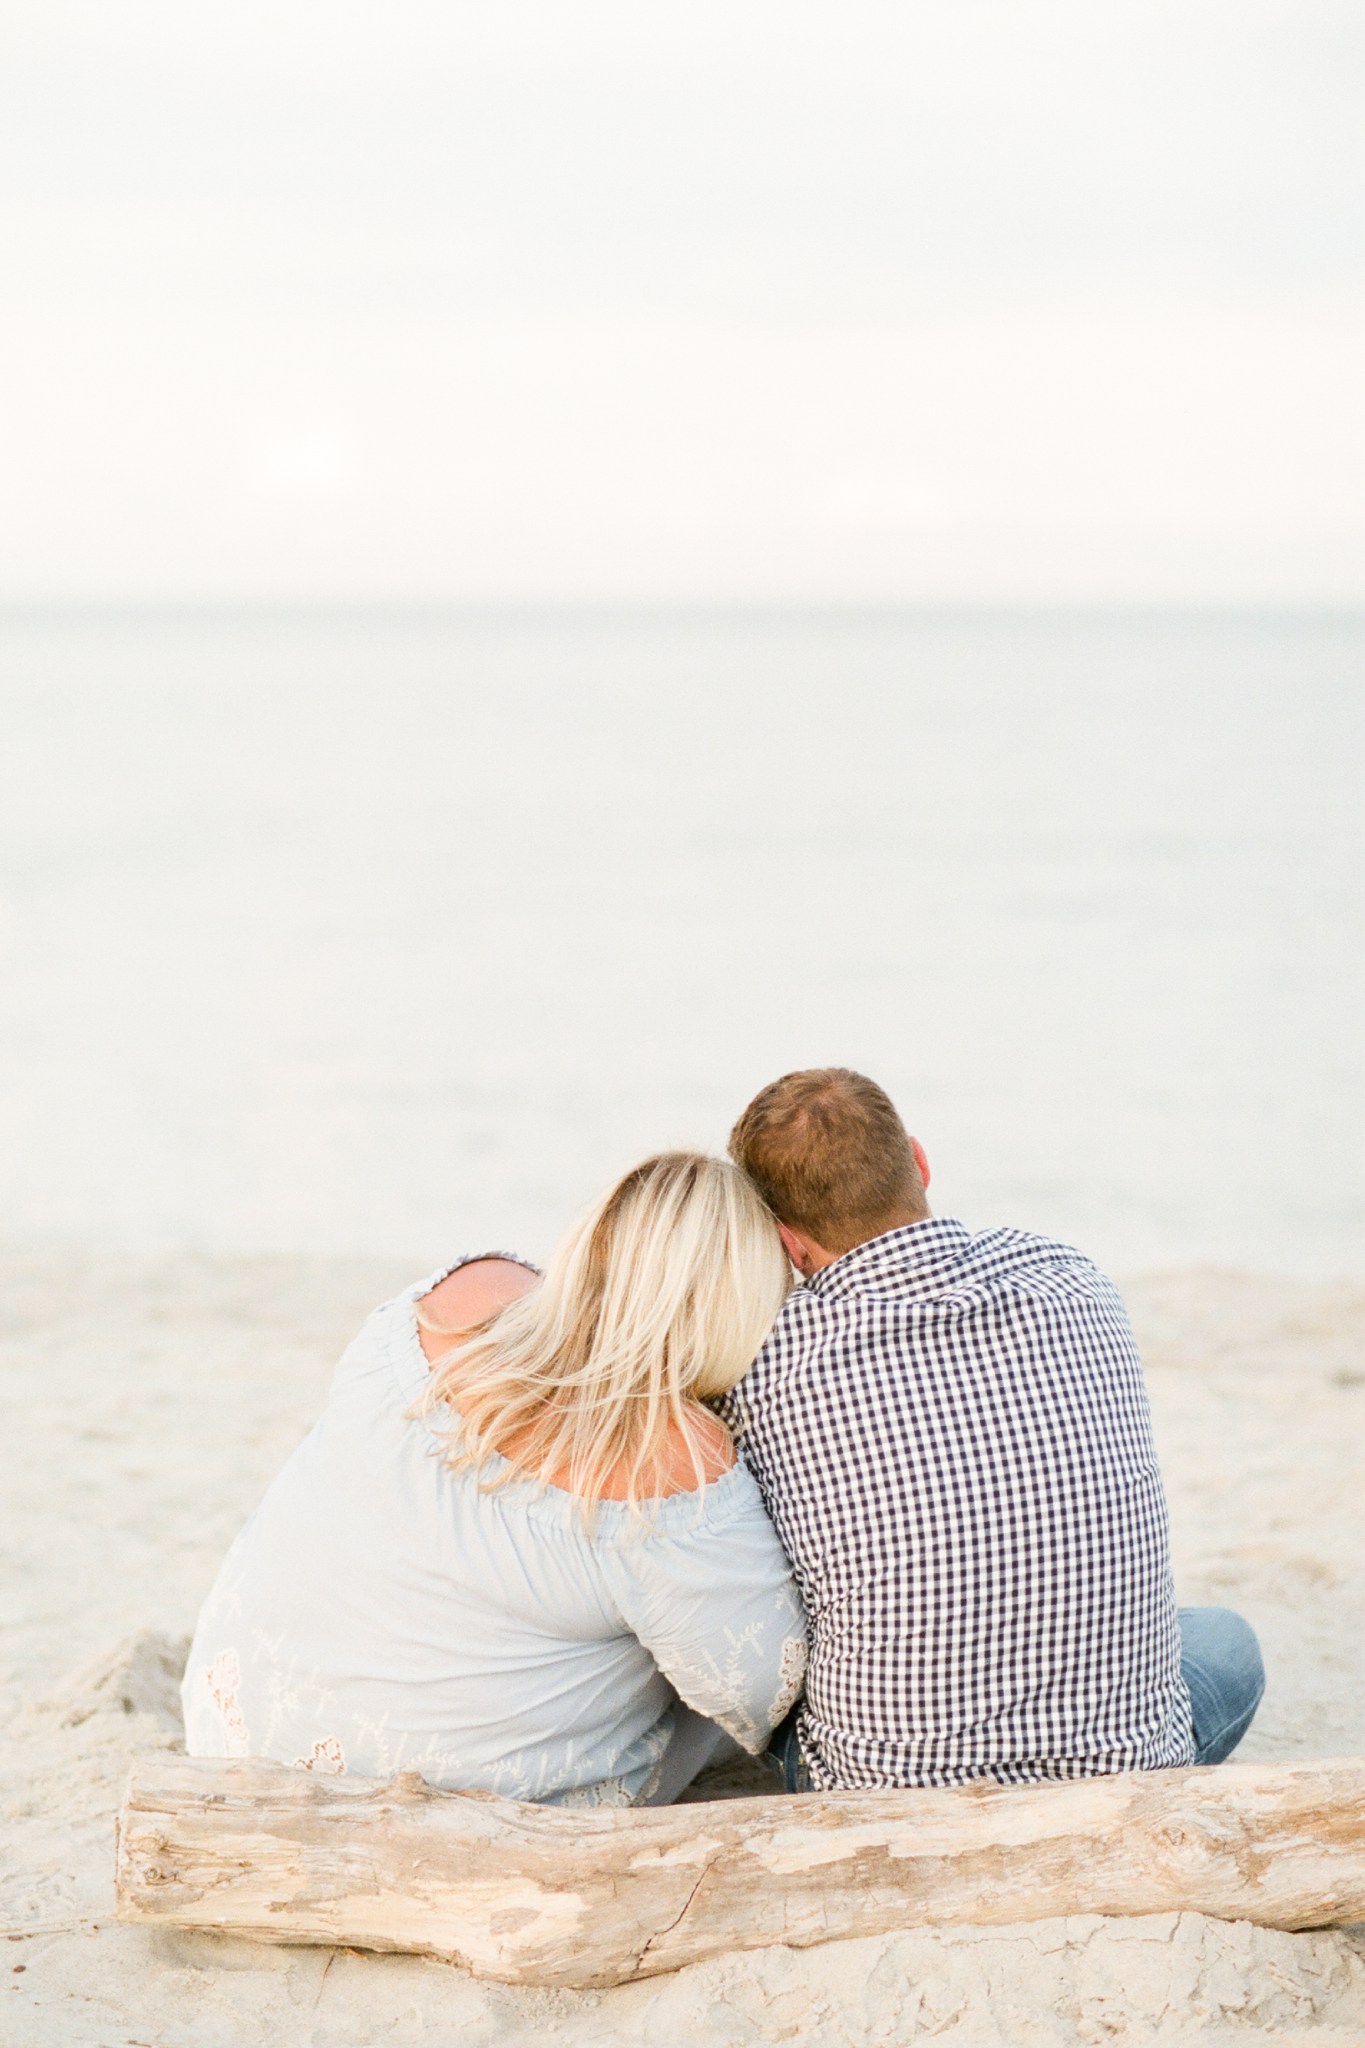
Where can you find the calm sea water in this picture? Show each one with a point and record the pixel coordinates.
(401, 934)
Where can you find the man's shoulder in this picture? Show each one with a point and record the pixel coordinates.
(1005, 1250)
(1019, 1273)
(943, 1262)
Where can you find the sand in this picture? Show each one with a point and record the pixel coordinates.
(147, 1405)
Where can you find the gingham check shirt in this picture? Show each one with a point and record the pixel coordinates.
(952, 1436)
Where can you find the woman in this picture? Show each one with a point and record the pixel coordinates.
(515, 1541)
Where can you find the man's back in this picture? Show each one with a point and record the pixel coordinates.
(952, 1436)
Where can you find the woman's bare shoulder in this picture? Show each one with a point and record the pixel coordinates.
(468, 1296)
(714, 1448)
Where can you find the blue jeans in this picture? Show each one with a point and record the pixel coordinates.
(1220, 1662)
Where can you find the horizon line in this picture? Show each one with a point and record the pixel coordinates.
(301, 605)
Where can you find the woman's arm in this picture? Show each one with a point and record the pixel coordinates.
(713, 1601)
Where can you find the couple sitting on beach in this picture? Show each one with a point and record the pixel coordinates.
(566, 1537)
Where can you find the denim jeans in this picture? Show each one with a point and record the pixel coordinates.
(1220, 1662)
(783, 1754)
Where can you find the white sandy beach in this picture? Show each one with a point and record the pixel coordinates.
(148, 1403)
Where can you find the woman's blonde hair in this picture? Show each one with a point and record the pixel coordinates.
(658, 1299)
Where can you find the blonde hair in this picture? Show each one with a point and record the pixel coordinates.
(657, 1300)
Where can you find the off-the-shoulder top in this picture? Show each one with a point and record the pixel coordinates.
(380, 1612)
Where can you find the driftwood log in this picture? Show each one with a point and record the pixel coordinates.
(587, 1897)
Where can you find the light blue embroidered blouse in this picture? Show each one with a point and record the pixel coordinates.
(379, 1613)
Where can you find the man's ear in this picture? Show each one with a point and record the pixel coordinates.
(921, 1161)
(798, 1249)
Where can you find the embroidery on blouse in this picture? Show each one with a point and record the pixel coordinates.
(721, 1686)
(607, 1792)
(793, 1677)
(326, 1755)
(224, 1681)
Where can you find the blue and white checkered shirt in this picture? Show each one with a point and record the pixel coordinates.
(951, 1433)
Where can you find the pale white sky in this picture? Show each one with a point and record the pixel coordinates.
(741, 300)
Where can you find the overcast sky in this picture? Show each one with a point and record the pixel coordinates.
(883, 299)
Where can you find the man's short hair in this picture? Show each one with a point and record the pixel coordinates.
(830, 1156)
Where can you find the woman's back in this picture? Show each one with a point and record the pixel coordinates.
(383, 1612)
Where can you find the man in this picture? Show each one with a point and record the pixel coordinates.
(951, 1433)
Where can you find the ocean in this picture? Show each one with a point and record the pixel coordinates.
(402, 933)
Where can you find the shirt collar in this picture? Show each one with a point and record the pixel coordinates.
(917, 1258)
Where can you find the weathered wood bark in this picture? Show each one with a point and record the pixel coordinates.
(544, 1895)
